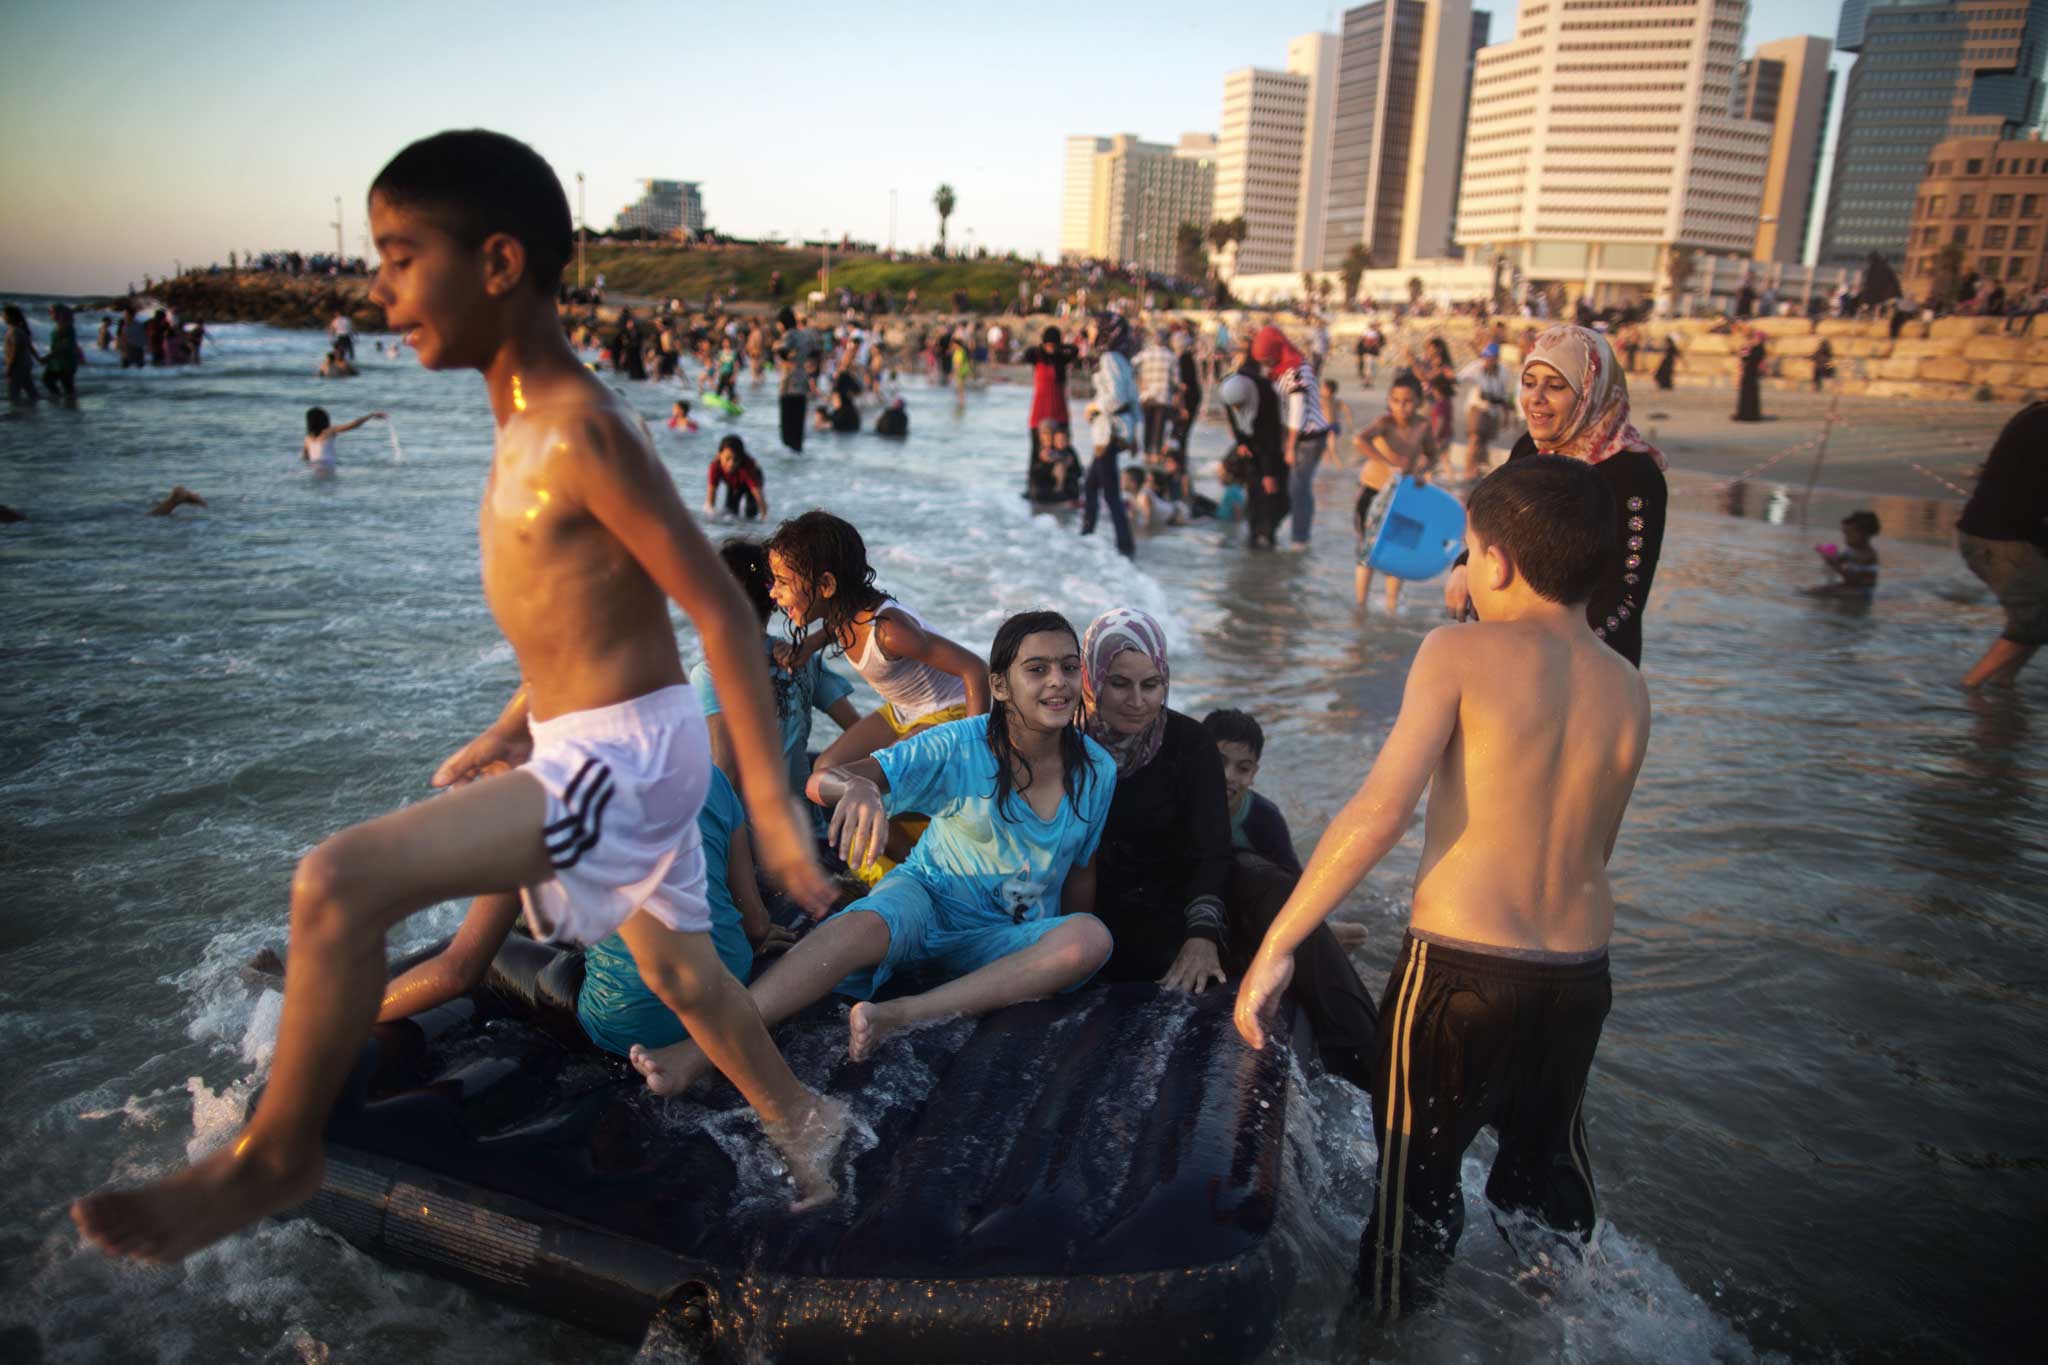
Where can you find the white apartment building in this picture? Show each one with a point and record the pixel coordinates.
(1259, 165)
(1602, 134)
(1077, 195)
(1141, 194)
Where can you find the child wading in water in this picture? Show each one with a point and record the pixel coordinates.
(995, 903)
(740, 475)
(1854, 561)
(1400, 442)
(1528, 732)
(317, 449)
(586, 789)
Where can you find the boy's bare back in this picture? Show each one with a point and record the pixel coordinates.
(1526, 800)
(589, 623)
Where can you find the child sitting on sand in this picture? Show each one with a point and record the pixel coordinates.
(995, 903)
(597, 766)
(317, 449)
(1498, 995)
(1141, 509)
(1854, 561)
(679, 419)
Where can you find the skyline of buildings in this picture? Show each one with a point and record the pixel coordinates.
(1599, 136)
(1926, 71)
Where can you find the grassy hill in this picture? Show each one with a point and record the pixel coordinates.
(675, 272)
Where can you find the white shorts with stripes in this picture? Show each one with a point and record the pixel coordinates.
(624, 786)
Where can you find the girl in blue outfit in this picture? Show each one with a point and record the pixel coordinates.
(615, 1007)
(994, 904)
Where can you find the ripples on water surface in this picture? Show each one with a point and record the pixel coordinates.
(1816, 1115)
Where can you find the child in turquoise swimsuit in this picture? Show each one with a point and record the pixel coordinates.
(994, 904)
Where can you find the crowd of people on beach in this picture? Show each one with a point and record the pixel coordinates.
(1015, 824)
(1012, 825)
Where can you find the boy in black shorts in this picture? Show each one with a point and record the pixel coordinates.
(1528, 733)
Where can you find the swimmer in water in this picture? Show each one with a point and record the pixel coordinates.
(585, 542)
(179, 496)
(1527, 732)
(317, 449)
(335, 365)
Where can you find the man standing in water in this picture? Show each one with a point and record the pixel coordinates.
(585, 541)
(2003, 534)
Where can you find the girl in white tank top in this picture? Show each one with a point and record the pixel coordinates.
(318, 448)
(823, 583)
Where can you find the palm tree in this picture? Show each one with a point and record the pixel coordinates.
(943, 200)
(1356, 261)
(1227, 232)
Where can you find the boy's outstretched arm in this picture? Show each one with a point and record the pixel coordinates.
(1370, 823)
(458, 967)
(351, 426)
(902, 638)
(630, 492)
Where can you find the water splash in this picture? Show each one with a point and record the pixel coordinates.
(397, 450)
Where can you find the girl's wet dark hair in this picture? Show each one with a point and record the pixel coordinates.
(818, 543)
(738, 449)
(1865, 523)
(1074, 775)
(747, 561)
(476, 183)
(317, 421)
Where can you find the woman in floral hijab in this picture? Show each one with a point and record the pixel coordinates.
(1575, 398)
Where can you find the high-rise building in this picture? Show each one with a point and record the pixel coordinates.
(1601, 135)
(1786, 86)
(665, 206)
(1258, 164)
(1077, 195)
(1926, 70)
(1144, 192)
(1482, 34)
(1989, 199)
(1394, 130)
(1315, 56)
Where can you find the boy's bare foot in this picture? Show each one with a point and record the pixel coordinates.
(670, 1070)
(866, 1026)
(176, 1216)
(808, 1144)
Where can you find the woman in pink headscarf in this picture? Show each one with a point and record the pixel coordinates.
(1575, 398)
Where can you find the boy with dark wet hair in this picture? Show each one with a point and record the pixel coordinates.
(1256, 824)
(583, 796)
(1528, 734)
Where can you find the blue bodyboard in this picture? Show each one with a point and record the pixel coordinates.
(1421, 531)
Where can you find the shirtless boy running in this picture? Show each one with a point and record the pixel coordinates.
(584, 541)
(1528, 732)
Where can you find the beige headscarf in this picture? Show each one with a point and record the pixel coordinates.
(1598, 427)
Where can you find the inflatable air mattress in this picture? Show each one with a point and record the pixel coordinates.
(1421, 531)
(1093, 1176)
(721, 403)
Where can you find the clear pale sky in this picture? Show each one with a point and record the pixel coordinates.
(139, 134)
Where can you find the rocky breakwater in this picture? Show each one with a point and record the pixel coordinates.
(278, 299)
(1987, 359)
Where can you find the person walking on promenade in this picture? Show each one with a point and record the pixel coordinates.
(1749, 405)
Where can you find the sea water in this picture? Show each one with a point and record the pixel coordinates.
(1817, 1111)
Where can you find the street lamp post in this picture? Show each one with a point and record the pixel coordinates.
(579, 231)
